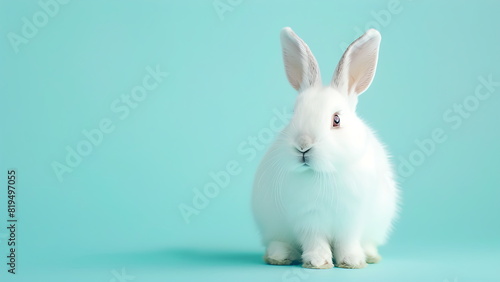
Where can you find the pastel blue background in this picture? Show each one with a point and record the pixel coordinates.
(119, 210)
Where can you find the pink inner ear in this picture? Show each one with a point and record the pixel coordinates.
(362, 68)
(300, 65)
(352, 83)
(293, 68)
(358, 64)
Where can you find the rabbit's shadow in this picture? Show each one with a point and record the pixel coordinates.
(172, 257)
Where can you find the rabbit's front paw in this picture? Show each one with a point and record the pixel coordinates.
(371, 253)
(351, 259)
(352, 262)
(317, 260)
(278, 261)
(281, 253)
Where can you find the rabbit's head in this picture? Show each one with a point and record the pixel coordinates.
(325, 133)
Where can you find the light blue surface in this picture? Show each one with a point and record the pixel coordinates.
(118, 208)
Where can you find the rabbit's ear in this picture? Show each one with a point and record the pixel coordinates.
(356, 69)
(301, 67)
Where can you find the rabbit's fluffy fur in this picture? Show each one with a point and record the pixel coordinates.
(325, 191)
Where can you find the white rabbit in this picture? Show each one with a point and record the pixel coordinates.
(326, 184)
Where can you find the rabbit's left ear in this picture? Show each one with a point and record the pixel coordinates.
(356, 68)
(300, 65)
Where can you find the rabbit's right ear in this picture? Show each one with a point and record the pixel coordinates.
(356, 69)
(301, 67)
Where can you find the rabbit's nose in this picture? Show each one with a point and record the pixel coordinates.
(304, 143)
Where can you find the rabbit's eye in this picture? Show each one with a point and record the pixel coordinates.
(336, 120)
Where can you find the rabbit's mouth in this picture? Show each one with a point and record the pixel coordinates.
(305, 164)
(303, 167)
(304, 157)
(304, 160)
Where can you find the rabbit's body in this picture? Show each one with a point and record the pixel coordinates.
(319, 187)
